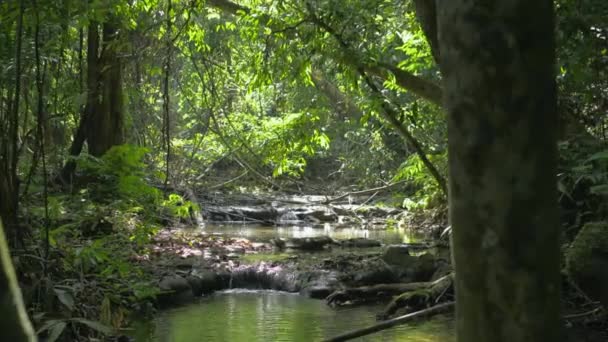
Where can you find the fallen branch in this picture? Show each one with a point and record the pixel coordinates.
(375, 291)
(391, 323)
(418, 299)
(362, 192)
(583, 314)
(228, 181)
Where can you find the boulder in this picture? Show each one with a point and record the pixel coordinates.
(204, 282)
(174, 283)
(399, 256)
(587, 261)
(174, 290)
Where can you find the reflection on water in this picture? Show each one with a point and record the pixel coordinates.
(265, 233)
(274, 316)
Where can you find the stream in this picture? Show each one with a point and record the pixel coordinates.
(248, 316)
(264, 315)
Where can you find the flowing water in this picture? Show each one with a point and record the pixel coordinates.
(265, 233)
(250, 316)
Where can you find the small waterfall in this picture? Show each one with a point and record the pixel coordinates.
(288, 216)
(230, 281)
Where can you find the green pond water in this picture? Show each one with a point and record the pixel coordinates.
(249, 316)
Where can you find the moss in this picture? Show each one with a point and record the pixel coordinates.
(590, 241)
(253, 258)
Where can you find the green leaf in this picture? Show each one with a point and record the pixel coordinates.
(599, 189)
(97, 326)
(56, 330)
(65, 297)
(47, 325)
(603, 155)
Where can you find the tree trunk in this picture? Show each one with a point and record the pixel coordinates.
(344, 106)
(14, 324)
(105, 125)
(92, 105)
(9, 154)
(497, 61)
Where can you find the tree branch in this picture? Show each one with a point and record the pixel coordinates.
(424, 88)
(391, 323)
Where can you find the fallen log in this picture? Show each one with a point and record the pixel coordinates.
(373, 291)
(418, 299)
(391, 323)
(383, 290)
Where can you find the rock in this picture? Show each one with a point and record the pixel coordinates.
(375, 272)
(424, 267)
(317, 214)
(196, 285)
(242, 213)
(587, 261)
(210, 281)
(311, 243)
(360, 243)
(288, 217)
(398, 255)
(277, 243)
(174, 283)
(175, 290)
(317, 292)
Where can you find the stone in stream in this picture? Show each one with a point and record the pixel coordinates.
(174, 289)
(360, 243)
(204, 282)
(398, 255)
(408, 267)
(173, 283)
(309, 243)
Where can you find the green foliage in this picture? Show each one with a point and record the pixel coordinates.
(426, 192)
(56, 327)
(178, 207)
(121, 170)
(583, 179)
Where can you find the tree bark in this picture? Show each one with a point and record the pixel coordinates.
(426, 13)
(14, 324)
(342, 104)
(105, 125)
(497, 62)
(9, 153)
(92, 104)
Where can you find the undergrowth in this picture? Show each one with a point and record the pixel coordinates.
(92, 280)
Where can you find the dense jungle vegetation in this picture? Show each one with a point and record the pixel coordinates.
(122, 120)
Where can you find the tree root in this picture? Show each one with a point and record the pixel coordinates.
(409, 294)
(374, 292)
(418, 299)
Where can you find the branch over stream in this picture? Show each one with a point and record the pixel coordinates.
(391, 322)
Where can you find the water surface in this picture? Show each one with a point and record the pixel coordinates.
(265, 233)
(249, 316)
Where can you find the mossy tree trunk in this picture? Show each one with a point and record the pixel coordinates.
(497, 61)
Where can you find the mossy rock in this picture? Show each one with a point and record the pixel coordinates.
(587, 260)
